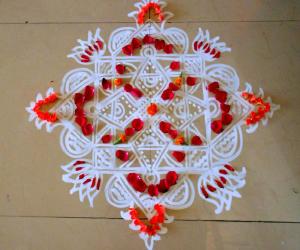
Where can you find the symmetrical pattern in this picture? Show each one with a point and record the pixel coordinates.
(149, 80)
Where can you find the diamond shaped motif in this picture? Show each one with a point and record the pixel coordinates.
(94, 133)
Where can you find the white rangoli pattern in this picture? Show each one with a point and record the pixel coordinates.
(191, 112)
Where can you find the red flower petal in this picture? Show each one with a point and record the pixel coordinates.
(175, 65)
(217, 55)
(178, 155)
(173, 86)
(89, 92)
(128, 87)
(165, 126)
(163, 186)
(132, 177)
(223, 179)
(204, 192)
(159, 44)
(191, 81)
(136, 93)
(211, 188)
(129, 131)
(167, 95)
(225, 107)
(100, 44)
(196, 140)
(120, 68)
(136, 43)
(79, 99)
(226, 118)
(106, 84)
(153, 190)
(122, 155)
(219, 183)
(137, 124)
(195, 45)
(221, 96)
(217, 126)
(81, 120)
(139, 185)
(172, 178)
(173, 133)
(106, 138)
(223, 171)
(127, 50)
(212, 87)
(87, 129)
(148, 39)
(168, 49)
(79, 112)
(229, 167)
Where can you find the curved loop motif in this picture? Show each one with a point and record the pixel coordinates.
(225, 74)
(229, 146)
(119, 38)
(73, 143)
(116, 193)
(75, 80)
(180, 197)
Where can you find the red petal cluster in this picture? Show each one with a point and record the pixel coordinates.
(219, 182)
(122, 155)
(46, 116)
(207, 48)
(94, 182)
(80, 118)
(137, 125)
(134, 45)
(221, 97)
(135, 92)
(136, 181)
(90, 50)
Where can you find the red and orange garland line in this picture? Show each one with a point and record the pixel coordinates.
(262, 108)
(219, 182)
(142, 13)
(154, 222)
(46, 116)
